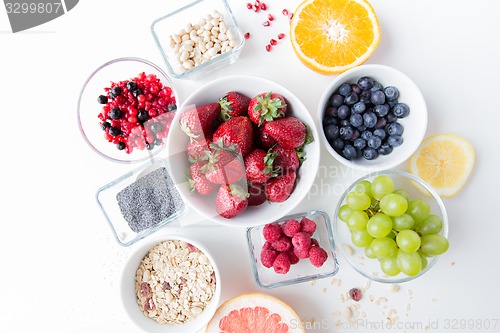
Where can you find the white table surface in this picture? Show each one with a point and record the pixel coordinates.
(60, 266)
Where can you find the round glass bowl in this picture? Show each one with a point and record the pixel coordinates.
(356, 256)
(128, 284)
(415, 124)
(122, 69)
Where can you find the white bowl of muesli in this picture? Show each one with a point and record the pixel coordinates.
(171, 284)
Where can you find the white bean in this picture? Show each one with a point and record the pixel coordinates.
(230, 34)
(188, 42)
(202, 47)
(211, 52)
(208, 26)
(214, 22)
(186, 47)
(222, 27)
(216, 14)
(222, 36)
(188, 64)
(185, 37)
(184, 56)
(176, 38)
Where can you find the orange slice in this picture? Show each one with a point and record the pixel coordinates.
(445, 161)
(332, 36)
(255, 313)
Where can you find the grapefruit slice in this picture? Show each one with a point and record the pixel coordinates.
(255, 313)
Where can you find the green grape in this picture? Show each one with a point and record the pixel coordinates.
(344, 212)
(369, 253)
(403, 222)
(432, 225)
(357, 220)
(381, 186)
(379, 225)
(393, 204)
(408, 240)
(364, 186)
(409, 263)
(434, 245)
(419, 209)
(425, 262)
(358, 200)
(383, 247)
(390, 265)
(361, 238)
(403, 193)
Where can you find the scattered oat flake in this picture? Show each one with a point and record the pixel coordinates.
(371, 298)
(367, 285)
(336, 313)
(348, 249)
(313, 282)
(434, 300)
(337, 282)
(325, 290)
(347, 313)
(394, 288)
(453, 263)
(408, 306)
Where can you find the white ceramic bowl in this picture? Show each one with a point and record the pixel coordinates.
(415, 124)
(179, 165)
(129, 297)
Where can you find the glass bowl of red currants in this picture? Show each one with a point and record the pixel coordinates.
(125, 109)
(391, 226)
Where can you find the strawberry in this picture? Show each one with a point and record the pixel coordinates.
(233, 104)
(231, 200)
(286, 159)
(278, 189)
(262, 139)
(257, 194)
(289, 132)
(224, 165)
(199, 181)
(267, 107)
(196, 148)
(259, 166)
(238, 131)
(198, 121)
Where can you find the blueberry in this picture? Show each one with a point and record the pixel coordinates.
(362, 127)
(356, 120)
(394, 129)
(370, 119)
(392, 103)
(131, 86)
(385, 149)
(355, 134)
(345, 122)
(336, 100)
(365, 96)
(105, 125)
(351, 99)
(401, 110)
(381, 110)
(378, 98)
(365, 82)
(331, 132)
(142, 116)
(346, 132)
(359, 143)
(380, 133)
(349, 152)
(171, 107)
(330, 121)
(395, 140)
(137, 92)
(358, 107)
(331, 112)
(391, 117)
(374, 142)
(370, 153)
(337, 144)
(381, 122)
(391, 93)
(150, 146)
(102, 99)
(343, 112)
(344, 89)
(115, 91)
(376, 86)
(120, 145)
(115, 113)
(365, 135)
(114, 131)
(356, 89)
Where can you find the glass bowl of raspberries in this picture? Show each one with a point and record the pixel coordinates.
(125, 109)
(294, 249)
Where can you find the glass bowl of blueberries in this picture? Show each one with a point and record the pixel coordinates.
(372, 117)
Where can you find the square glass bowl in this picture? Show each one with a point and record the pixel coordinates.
(191, 23)
(303, 271)
(140, 202)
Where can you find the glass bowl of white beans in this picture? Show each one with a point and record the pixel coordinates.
(198, 38)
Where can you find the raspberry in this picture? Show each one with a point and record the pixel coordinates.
(267, 257)
(292, 257)
(301, 241)
(267, 246)
(281, 264)
(282, 244)
(301, 253)
(291, 227)
(314, 242)
(307, 225)
(272, 232)
(317, 256)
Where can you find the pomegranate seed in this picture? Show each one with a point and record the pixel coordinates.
(266, 24)
(281, 36)
(268, 47)
(270, 17)
(290, 16)
(273, 42)
(263, 6)
(285, 12)
(249, 5)
(256, 8)
(355, 294)
(247, 35)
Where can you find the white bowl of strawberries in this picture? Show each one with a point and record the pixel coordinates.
(243, 151)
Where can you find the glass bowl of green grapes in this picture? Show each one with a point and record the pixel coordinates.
(391, 226)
